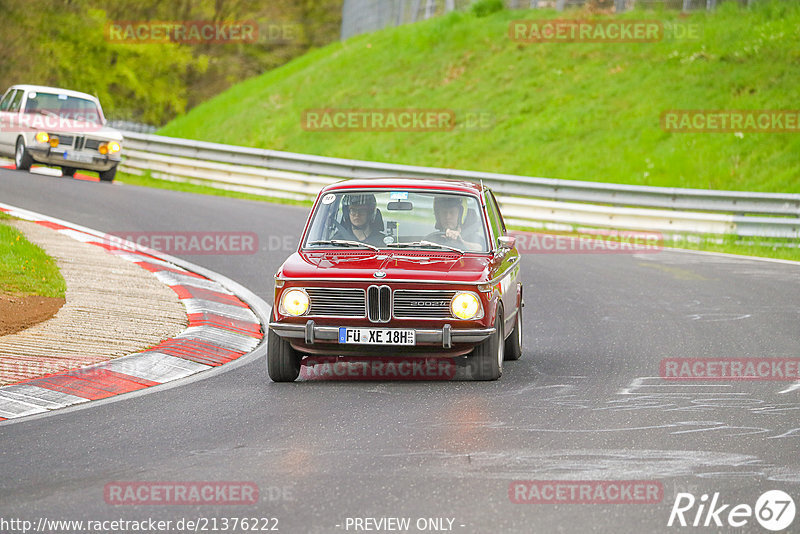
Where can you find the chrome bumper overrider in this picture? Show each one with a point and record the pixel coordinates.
(445, 336)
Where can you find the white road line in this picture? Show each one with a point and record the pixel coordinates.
(793, 387)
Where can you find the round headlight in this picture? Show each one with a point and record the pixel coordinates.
(465, 306)
(295, 302)
(113, 146)
(42, 137)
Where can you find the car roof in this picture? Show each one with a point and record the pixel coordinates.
(407, 183)
(45, 89)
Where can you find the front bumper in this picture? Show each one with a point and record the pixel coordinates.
(310, 333)
(47, 156)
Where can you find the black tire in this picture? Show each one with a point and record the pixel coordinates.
(514, 341)
(68, 171)
(283, 362)
(108, 176)
(486, 360)
(22, 159)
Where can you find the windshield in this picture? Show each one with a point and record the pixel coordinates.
(67, 107)
(397, 219)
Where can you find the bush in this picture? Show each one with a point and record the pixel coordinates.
(483, 8)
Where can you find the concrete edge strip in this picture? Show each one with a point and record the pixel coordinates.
(226, 322)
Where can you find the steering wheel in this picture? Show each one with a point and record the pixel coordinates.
(438, 234)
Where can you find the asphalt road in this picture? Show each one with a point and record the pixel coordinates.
(584, 402)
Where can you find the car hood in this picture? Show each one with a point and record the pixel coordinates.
(409, 266)
(89, 129)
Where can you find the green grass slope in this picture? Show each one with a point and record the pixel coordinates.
(584, 111)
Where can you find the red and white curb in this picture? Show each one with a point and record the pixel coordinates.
(222, 327)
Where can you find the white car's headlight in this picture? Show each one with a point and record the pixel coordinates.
(465, 306)
(109, 148)
(42, 137)
(295, 302)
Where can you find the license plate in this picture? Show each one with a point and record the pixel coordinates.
(376, 336)
(80, 158)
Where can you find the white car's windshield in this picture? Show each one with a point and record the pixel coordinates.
(399, 219)
(64, 106)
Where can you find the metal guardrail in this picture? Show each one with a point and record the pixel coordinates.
(526, 200)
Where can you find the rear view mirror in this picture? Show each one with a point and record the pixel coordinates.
(400, 205)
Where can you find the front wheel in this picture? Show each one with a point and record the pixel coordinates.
(22, 159)
(108, 176)
(514, 341)
(283, 362)
(486, 360)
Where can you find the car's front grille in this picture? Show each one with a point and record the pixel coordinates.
(333, 302)
(423, 303)
(65, 140)
(92, 144)
(379, 304)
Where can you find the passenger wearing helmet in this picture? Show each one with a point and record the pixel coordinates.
(452, 230)
(361, 220)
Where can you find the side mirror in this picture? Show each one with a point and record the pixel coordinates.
(507, 242)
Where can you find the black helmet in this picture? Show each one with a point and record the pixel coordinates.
(360, 199)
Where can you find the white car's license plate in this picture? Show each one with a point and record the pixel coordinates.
(376, 336)
(80, 158)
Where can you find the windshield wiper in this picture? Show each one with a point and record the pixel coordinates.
(344, 242)
(423, 244)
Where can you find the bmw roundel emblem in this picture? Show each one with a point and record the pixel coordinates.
(379, 274)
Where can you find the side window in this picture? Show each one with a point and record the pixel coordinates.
(15, 102)
(499, 215)
(6, 102)
(494, 218)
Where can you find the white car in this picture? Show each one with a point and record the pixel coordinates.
(57, 127)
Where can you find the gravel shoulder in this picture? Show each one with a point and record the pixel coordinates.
(113, 308)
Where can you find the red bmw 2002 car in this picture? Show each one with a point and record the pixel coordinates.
(400, 268)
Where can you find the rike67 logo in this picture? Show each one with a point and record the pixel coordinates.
(774, 510)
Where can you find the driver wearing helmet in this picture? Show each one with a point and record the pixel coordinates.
(360, 221)
(449, 213)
